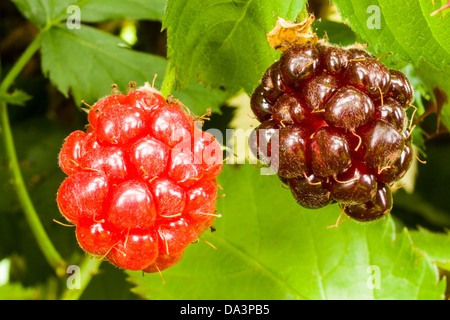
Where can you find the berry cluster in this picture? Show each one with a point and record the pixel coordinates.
(334, 123)
(141, 182)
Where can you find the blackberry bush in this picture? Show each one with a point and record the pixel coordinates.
(337, 117)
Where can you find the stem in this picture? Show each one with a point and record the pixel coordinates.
(89, 267)
(51, 254)
(46, 246)
(18, 66)
(169, 81)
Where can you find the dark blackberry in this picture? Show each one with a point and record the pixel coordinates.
(336, 119)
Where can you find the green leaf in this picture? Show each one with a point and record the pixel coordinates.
(268, 247)
(42, 12)
(408, 30)
(404, 28)
(228, 50)
(87, 62)
(199, 98)
(337, 32)
(15, 291)
(435, 245)
(18, 97)
(100, 10)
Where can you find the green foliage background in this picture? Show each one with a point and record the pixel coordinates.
(205, 53)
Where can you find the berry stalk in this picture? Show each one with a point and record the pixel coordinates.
(169, 81)
(51, 254)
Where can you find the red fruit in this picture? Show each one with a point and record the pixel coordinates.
(400, 89)
(132, 205)
(183, 168)
(163, 262)
(207, 152)
(398, 170)
(299, 111)
(391, 111)
(141, 185)
(272, 84)
(259, 141)
(70, 155)
(334, 59)
(282, 109)
(112, 101)
(201, 199)
(136, 249)
(89, 143)
(108, 160)
(119, 126)
(82, 195)
(96, 237)
(171, 125)
(147, 99)
(170, 198)
(175, 236)
(149, 156)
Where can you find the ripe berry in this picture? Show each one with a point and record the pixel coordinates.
(260, 106)
(334, 121)
(356, 185)
(70, 156)
(368, 75)
(82, 195)
(348, 108)
(382, 143)
(391, 111)
(373, 209)
(141, 182)
(96, 237)
(317, 91)
(309, 192)
(272, 84)
(400, 88)
(292, 154)
(299, 62)
(330, 152)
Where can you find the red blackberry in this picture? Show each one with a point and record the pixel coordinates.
(142, 181)
(337, 119)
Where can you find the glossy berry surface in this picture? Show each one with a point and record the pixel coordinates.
(141, 182)
(334, 127)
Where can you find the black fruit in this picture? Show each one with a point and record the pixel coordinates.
(335, 119)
